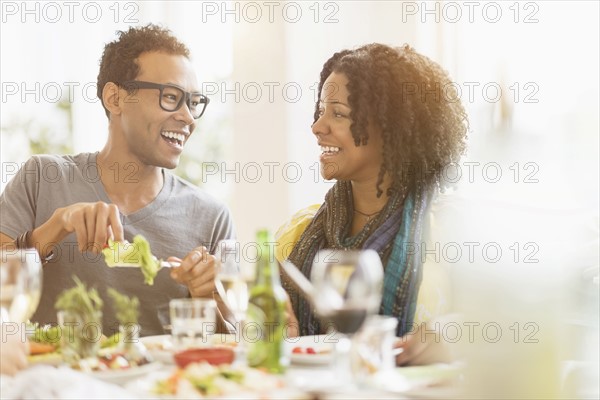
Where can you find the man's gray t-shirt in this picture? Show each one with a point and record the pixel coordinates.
(179, 219)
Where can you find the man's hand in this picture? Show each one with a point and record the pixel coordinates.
(197, 272)
(93, 223)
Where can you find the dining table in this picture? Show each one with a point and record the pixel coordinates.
(317, 376)
(304, 378)
(300, 381)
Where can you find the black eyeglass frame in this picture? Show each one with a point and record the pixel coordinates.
(186, 98)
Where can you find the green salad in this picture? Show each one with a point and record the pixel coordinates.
(127, 309)
(80, 301)
(203, 380)
(79, 310)
(136, 254)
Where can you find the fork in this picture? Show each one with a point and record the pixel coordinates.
(163, 264)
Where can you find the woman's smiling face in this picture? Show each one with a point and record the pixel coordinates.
(340, 158)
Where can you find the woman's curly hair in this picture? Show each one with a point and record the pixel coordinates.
(119, 59)
(413, 103)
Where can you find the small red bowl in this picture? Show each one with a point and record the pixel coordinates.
(212, 355)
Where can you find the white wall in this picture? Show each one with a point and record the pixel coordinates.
(558, 54)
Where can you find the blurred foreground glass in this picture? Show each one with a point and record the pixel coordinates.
(192, 320)
(164, 317)
(233, 280)
(373, 348)
(233, 277)
(20, 284)
(80, 336)
(512, 335)
(348, 288)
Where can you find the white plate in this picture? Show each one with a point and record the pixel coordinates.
(161, 347)
(122, 376)
(223, 339)
(144, 387)
(320, 343)
(406, 379)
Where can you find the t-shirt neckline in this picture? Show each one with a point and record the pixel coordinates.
(162, 197)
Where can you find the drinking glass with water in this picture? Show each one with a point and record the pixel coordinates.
(192, 320)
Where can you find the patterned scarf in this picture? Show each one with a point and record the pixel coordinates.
(395, 233)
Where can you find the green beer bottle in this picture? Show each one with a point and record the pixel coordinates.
(266, 321)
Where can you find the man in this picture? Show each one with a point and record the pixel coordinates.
(151, 96)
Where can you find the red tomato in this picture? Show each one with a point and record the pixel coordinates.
(310, 350)
(297, 350)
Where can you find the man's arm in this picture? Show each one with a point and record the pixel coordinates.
(6, 241)
(40, 238)
(91, 222)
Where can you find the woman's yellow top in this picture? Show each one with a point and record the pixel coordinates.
(433, 298)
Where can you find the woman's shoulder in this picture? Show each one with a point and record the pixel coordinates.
(288, 234)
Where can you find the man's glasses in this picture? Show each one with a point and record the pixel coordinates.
(172, 97)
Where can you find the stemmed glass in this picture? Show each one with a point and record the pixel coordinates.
(348, 288)
(233, 277)
(21, 284)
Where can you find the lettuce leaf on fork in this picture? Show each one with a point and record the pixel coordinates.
(136, 254)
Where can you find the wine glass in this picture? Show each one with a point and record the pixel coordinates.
(21, 283)
(233, 277)
(348, 288)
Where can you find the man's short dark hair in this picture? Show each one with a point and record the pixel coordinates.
(119, 60)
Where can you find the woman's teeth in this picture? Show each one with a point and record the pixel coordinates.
(174, 136)
(329, 149)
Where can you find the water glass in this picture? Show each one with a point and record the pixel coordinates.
(21, 284)
(373, 347)
(233, 277)
(192, 320)
(348, 288)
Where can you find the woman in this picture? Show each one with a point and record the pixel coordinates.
(388, 121)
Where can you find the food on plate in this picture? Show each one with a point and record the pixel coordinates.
(47, 334)
(136, 254)
(36, 348)
(125, 354)
(309, 350)
(212, 355)
(113, 361)
(203, 379)
(111, 341)
(164, 344)
(80, 313)
(53, 358)
(44, 344)
(127, 309)
(79, 300)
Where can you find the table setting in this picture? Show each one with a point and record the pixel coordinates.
(354, 359)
